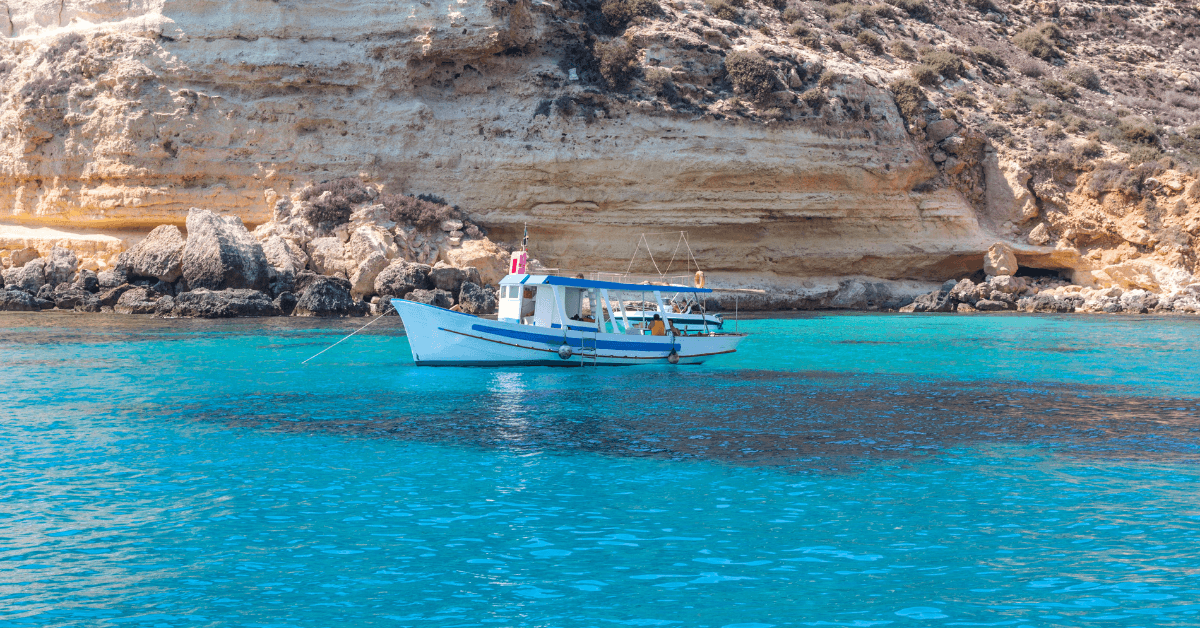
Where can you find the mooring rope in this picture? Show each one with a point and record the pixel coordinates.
(389, 307)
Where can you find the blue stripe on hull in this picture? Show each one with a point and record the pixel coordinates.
(574, 342)
(573, 362)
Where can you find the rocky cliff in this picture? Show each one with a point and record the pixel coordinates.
(795, 142)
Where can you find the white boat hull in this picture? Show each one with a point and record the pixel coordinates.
(440, 337)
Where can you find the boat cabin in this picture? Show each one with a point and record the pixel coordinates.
(587, 305)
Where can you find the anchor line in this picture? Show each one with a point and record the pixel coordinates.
(389, 307)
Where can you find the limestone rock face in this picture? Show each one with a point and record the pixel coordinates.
(159, 255)
(121, 116)
(1000, 260)
(220, 253)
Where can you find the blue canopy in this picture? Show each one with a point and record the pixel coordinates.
(572, 282)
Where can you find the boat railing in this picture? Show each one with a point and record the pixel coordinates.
(646, 279)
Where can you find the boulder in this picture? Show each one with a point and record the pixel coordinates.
(327, 296)
(87, 281)
(1046, 302)
(30, 277)
(46, 292)
(491, 260)
(446, 277)
(110, 297)
(990, 305)
(286, 302)
(402, 277)
(61, 266)
(112, 278)
(365, 242)
(327, 255)
(287, 260)
(1138, 301)
(1000, 260)
(362, 282)
(136, 301)
(158, 255)
(940, 130)
(476, 299)
(165, 306)
(284, 256)
(23, 256)
(72, 298)
(435, 297)
(221, 254)
(18, 301)
(1007, 284)
(205, 303)
(965, 291)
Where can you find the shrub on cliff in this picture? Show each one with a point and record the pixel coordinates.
(750, 73)
(1138, 133)
(417, 211)
(924, 74)
(909, 97)
(1039, 41)
(916, 9)
(1084, 77)
(618, 63)
(726, 9)
(619, 13)
(946, 63)
(814, 98)
(1059, 89)
(986, 55)
(335, 207)
(901, 50)
(871, 42)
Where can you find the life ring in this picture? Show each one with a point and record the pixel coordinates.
(699, 279)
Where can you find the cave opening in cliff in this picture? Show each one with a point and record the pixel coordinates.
(1030, 271)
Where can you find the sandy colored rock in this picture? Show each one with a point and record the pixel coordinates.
(22, 257)
(485, 255)
(327, 255)
(362, 282)
(1000, 260)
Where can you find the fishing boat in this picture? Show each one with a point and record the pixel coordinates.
(550, 320)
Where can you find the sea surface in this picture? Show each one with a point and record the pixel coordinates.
(839, 470)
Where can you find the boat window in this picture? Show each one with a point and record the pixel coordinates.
(514, 292)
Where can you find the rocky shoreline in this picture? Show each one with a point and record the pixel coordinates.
(288, 267)
(345, 249)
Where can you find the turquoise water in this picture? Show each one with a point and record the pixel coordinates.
(850, 470)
